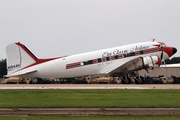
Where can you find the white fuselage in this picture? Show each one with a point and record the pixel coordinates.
(75, 65)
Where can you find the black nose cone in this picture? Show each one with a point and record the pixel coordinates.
(174, 50)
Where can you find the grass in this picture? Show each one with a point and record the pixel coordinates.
(90, 118)
(89, 98)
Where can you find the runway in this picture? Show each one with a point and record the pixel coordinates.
(89, 111)
(89, 86)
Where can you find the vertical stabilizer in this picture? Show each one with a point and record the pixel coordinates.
(18, 57)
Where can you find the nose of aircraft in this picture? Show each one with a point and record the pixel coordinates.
(174, 50)
(169, 50)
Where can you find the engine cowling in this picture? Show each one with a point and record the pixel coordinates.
(151, 62)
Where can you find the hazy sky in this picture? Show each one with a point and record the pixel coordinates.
(53, 28)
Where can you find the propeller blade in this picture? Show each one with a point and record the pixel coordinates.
(162, 68)
(161, 56)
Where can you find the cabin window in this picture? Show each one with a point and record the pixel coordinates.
(141, 52)
(85, 63)
(124, 55)
(99, 60)
(116, 57)
(132, 54)
(107, 58)
(90, 62)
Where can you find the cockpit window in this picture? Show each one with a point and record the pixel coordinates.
(162, 45)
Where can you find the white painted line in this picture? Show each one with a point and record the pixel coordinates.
(74, 88)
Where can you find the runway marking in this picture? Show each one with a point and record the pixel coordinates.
(74, 88)
(89, 86)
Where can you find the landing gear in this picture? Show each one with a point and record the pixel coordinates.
(130, 78)
(138, 79)
(126, 79)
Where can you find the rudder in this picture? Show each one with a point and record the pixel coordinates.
(18, 57)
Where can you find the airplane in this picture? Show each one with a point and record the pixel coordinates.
(21, 62)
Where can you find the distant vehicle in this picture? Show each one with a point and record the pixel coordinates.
(1, 79)
(159, 80)
(167, 80)
(145, 55)
(14, 80)
(17, 80)
(176, 79)
(91, 80)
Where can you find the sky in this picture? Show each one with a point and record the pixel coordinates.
(54, 28)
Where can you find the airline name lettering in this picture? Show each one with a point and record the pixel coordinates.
(117, 52)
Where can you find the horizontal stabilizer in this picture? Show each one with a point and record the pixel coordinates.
(20, 73)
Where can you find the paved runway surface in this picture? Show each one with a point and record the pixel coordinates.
(89, 111)
(89, 86)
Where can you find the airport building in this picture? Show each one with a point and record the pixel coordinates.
(166, 70)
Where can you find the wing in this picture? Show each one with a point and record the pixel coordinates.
(124, 66)
(148, 63)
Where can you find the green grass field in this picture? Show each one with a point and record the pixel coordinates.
(91, 118)
(89, 98)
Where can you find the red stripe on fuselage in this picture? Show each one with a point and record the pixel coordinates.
(73, 67)
(104, 58)
(73, 63)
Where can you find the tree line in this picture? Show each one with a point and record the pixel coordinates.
(174, 60)
(3, 69)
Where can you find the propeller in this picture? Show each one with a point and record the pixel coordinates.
(162, 60)
(161, 57)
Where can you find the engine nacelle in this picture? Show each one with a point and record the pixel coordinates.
(151, 62)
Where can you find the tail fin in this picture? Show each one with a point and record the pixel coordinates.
(18, 57)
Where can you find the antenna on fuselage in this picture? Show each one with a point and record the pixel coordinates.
(153, 40)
